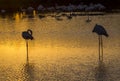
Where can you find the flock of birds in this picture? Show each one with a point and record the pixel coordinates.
(69, 8)
(100, 30)
(60, 11)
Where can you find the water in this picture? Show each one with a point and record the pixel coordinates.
(62, 50)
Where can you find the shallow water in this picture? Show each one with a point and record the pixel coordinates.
(64, 50)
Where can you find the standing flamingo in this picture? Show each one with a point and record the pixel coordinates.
(100, 30)
(27, 35)
(88, 9)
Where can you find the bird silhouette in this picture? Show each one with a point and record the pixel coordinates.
(88, 20)
(27, 34)
(100, 30)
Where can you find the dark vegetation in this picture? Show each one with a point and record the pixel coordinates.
(15, 5)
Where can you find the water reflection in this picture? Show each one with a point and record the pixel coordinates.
(41, 16)
(101, 72)
(28, 70)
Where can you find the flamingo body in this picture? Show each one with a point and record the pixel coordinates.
(100, 30)
(27, 34)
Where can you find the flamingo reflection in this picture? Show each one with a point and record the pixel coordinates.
(101, 72)
(27, 35)
(29, 74)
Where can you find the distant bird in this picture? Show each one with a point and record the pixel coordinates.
(30, 12)
(88, 20)
(99, 7)
(27, 35)
(81, 7)
(51, 9)
(40, 8)
(41, 16)
(88, 9)
(69, 16)
(30, 9)
(3, 11)
(100, 30)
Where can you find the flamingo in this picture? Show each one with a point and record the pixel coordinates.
(100, 30)
(27, 35)
(40, 8)
(2, 12)
(99, 6)
(51, 9)
(89, 9)
(30, 12)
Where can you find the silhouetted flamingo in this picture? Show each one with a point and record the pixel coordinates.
(27, 35)
(100, 30)
(89, 9)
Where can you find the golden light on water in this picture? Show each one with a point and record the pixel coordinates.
(64, 50)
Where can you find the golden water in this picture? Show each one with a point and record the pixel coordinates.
(64, 50)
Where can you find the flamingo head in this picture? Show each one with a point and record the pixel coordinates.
(29, 31)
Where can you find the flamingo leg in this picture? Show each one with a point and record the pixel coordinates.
(88, 17)
(99, 47)
(27, 50)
